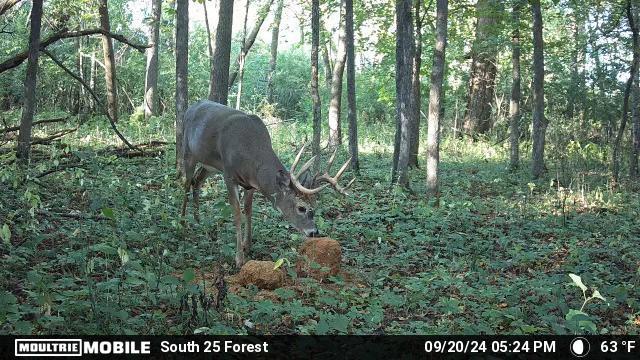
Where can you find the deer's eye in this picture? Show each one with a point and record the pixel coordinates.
(301, 209)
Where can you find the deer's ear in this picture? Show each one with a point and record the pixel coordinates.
(283, 179)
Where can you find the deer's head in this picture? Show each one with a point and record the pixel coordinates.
(289, 199)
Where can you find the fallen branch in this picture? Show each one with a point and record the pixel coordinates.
(126, 153)
(72, 215)
(59, 168)
(48, 139)
(6, 5)
(95, 97)
(21, 57)
(45, 121)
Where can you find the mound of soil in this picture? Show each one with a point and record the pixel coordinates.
(319, 258)
(261, 274)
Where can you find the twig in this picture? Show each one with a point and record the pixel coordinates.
(95, 97)
(47, 140)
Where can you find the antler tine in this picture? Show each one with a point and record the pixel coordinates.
(342, 169)
(306, 165)
(331, 159)
(297, 159)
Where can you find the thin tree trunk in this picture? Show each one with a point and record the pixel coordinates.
(109, 62)
(335, 104)
(182, 72)
(477, 119)
(315, 95)
(351, 87)
(514, 106)
(222, 53)
(151, 80)
(539, 121)
(415, 85)
(251, 39)
(93, 73)
(404, 110)
(635, 130)
(243, 54)
(435, 98)
(575, 94)
(627, 92)
(328, 69)
(210, 40)
(23, 150)
(275, 36)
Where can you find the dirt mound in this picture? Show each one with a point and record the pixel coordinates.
(261, 274)
(319, 258)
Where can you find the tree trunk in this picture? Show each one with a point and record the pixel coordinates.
(251, 39)
(477, 119)
(635, 130)
(404, 110)
(576, 90)
(315, 95)
(275, 36)
(328, 70)
(435, 98)
(335, 104)
(539, 121)
(109, 62)
(351, 86)
(24, 137)
(627, 92)
(415, 86)
(243, 54)
(182, 72)
(93, 70)
(151, 80)
(219, 89)
(514, 106)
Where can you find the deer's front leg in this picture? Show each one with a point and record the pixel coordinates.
(234, 200)
(248, 209)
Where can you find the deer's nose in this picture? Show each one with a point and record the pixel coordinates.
(311, 232)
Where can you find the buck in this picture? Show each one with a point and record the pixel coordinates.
(222, 139)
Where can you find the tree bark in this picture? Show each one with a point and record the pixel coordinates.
(576, 90)
(151, 80)
(539, 120)
(477, 119)
(315, 95)
(415, 86)
(109, 62)
(627, 92)
(182, 72)
(404, 109)
(219, 89)
(435, 98)
(275, 36)
(24, 137)
(6, 5)
(243, 55)
(251, 39)
(351, 87)
(514, 106)
(335, 104)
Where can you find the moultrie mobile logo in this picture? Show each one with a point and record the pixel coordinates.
(48, 347)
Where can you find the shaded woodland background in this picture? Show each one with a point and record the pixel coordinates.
(495, 145)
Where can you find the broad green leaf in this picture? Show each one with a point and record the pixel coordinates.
(188, 275)
(108, 212)
(596, 295)
(5, 234)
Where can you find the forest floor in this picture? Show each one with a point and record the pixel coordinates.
(96, 246)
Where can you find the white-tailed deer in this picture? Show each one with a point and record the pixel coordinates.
(238, 145)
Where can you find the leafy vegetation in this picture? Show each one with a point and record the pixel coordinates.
(99, 249)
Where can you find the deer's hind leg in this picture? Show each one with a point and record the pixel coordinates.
(199, 178)
(189, 167)
(248, 210)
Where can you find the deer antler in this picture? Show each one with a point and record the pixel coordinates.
(305, 167)
(333, 181)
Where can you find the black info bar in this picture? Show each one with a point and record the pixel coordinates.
(327, 347)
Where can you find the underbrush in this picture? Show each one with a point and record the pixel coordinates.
(92, 244)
